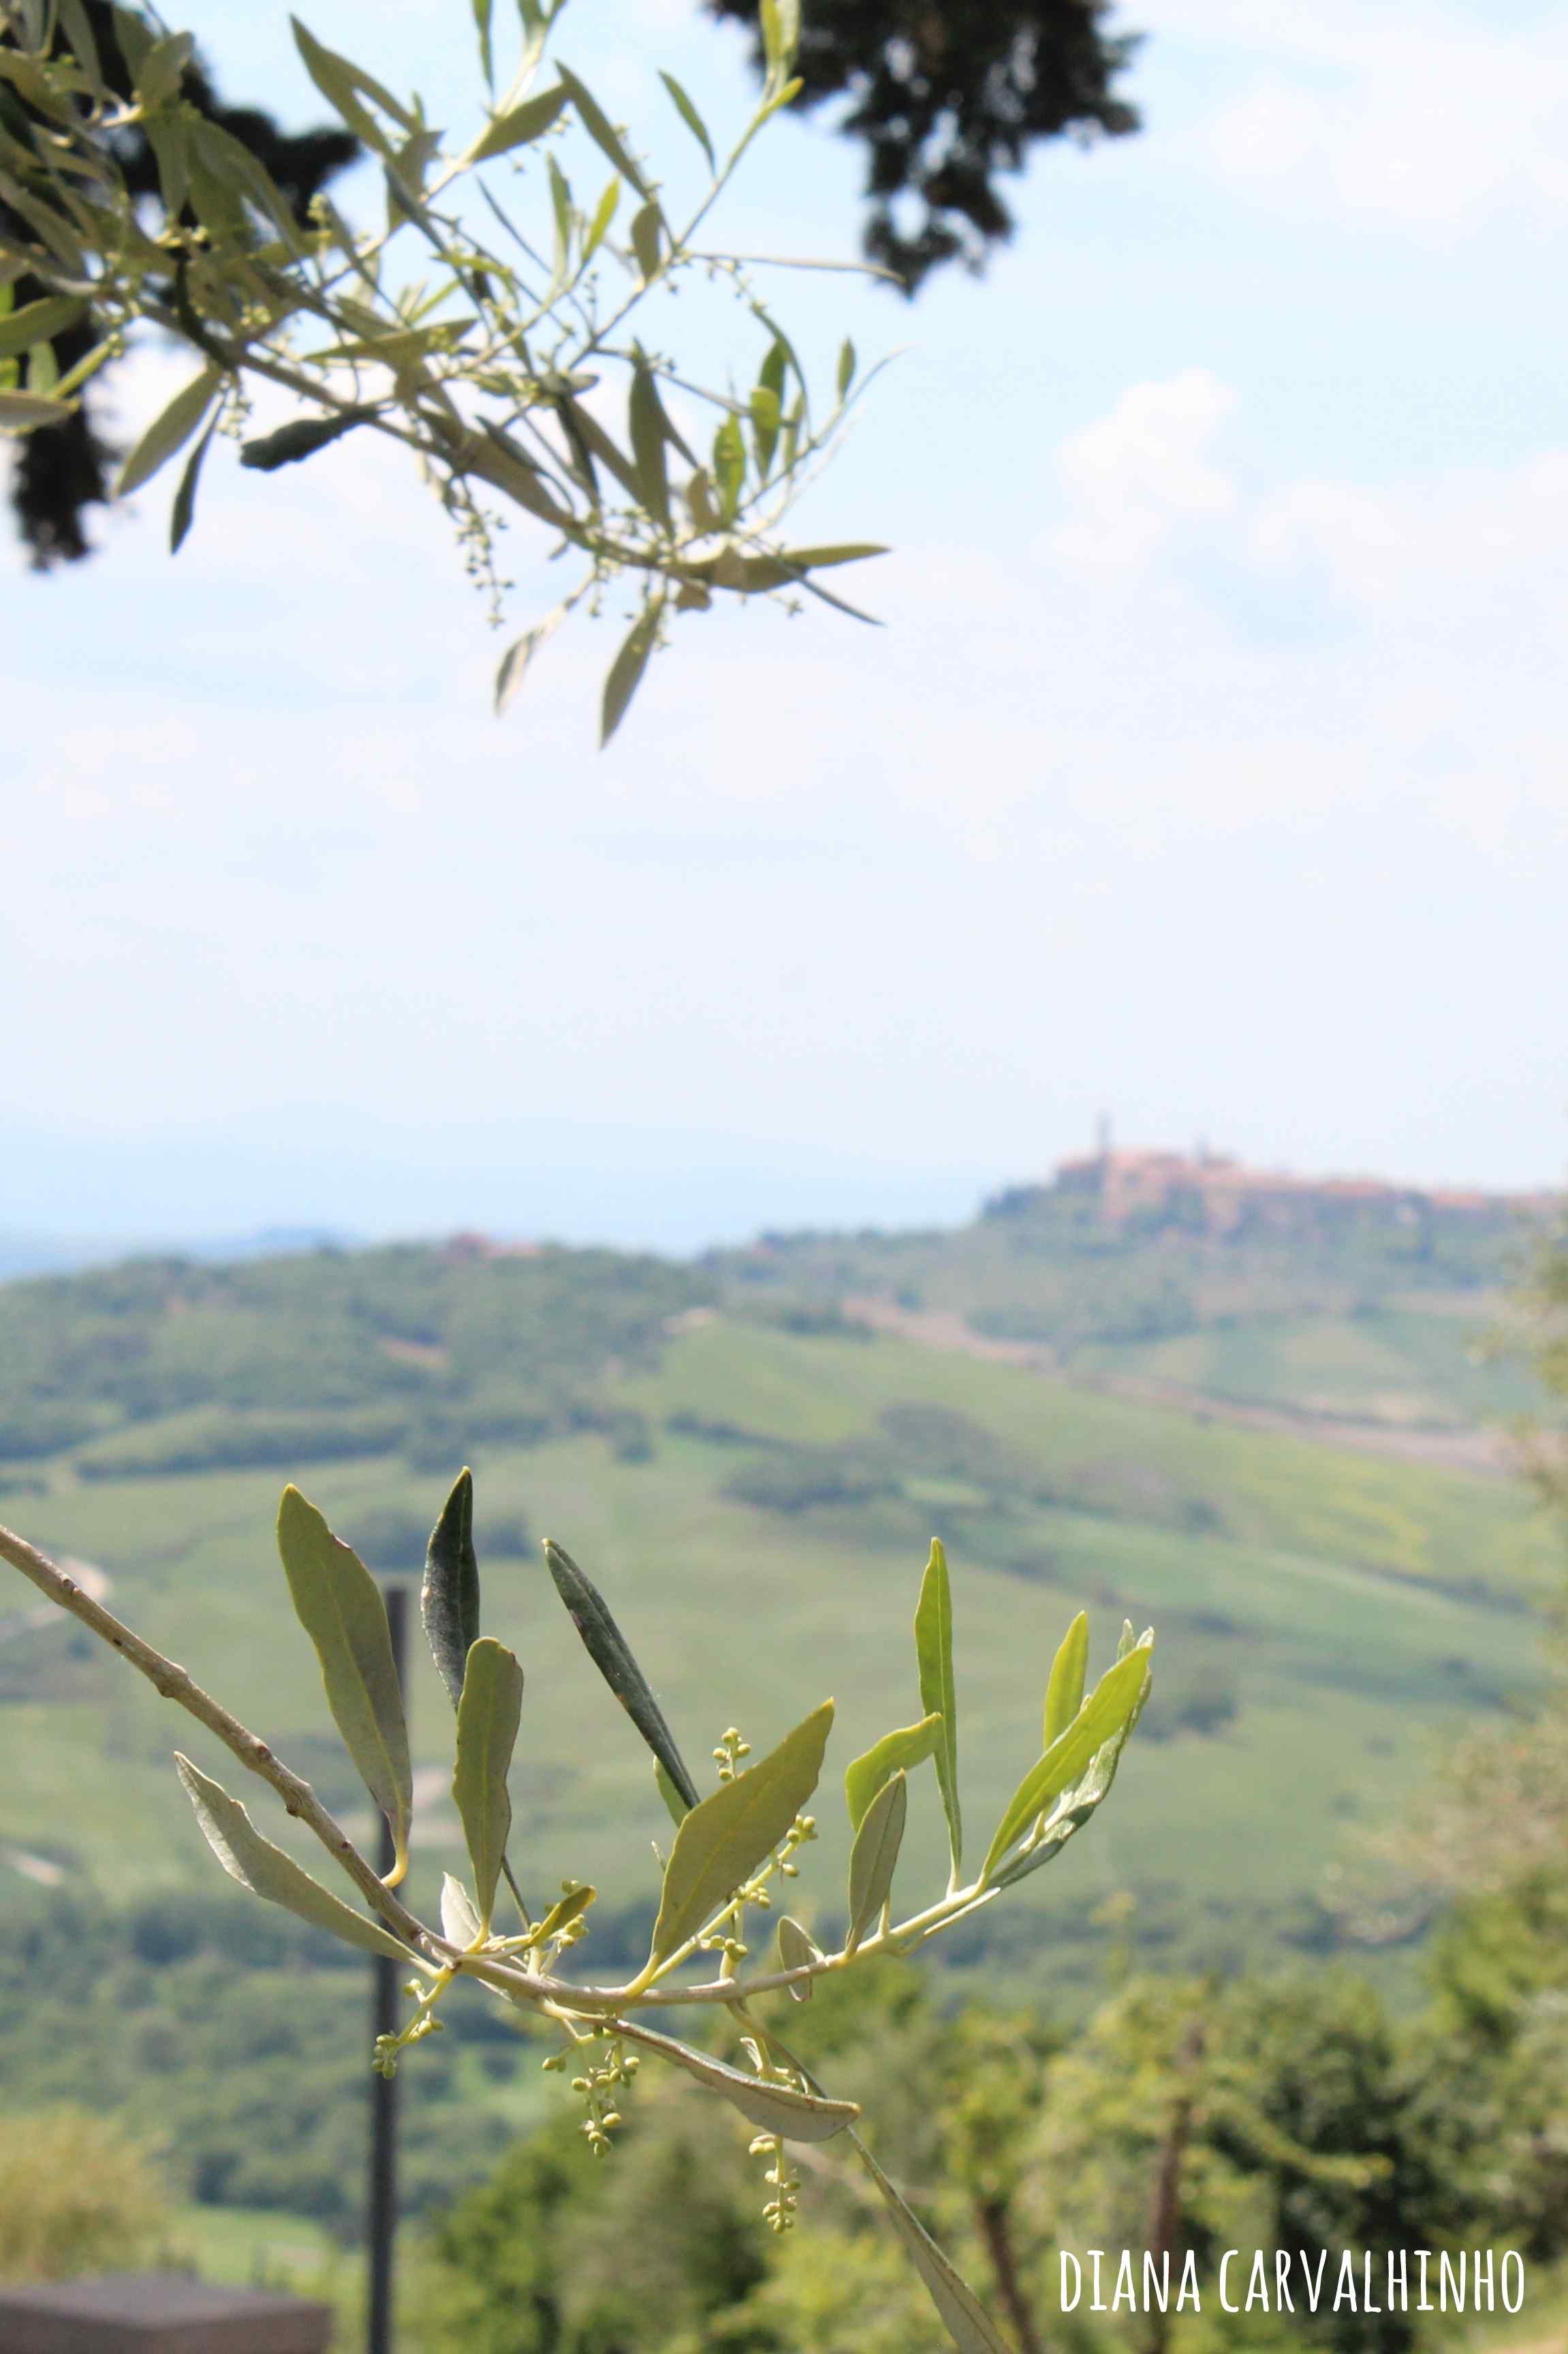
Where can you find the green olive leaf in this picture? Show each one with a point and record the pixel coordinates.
(183, 513)
(596, 123)
(223, 155)
(765, 420)
(500, 462)
(169, 431)
(909, 1746)
(582, 427)
(514, 662)
(963, 2317)
(728, 467)
(448, 1593)
(1072, 1812)
(561, 209)
(1078, 1803)
(20, 411)
(339, 1605)
(671, 1796)
(606, 1647)
(461, 1924)
(699, 500)
(487, 1720)
(934, 1655)
(817, 559)
(159, 75)
(1106, 1712)
(1065, 1692)
(77, 27)
(721, 1842)
(520, 125)
(38, 322)
(625, 674)
(645, 242)
(689, 116)
(340, 82)
(772, 2108)
(564, 1911)
(874, 1856)
(599, 228)
(796, 1949)
(134, 37)
(482, 10)
(267, 1871)
(646, 423)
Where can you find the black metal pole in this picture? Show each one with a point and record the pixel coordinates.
(383, 2204)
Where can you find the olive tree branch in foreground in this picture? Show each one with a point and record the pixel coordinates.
(731, 1848)
(448, 368)
(175, 1683)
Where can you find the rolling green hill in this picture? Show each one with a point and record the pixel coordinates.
(1389, 1326)
(753, 1476)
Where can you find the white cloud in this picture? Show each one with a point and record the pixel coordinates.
(1134, 474)
(1432, 120)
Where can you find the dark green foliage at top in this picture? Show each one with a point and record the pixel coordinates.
(949, 96)
(61, 470)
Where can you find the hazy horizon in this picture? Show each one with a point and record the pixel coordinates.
(676, 1192)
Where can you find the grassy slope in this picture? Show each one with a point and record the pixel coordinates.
(1279, 1491)
(1412, 1365)
(1359, 1326)
(1356, 1606)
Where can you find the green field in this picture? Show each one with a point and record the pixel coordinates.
(1419, 1368)
(1324, 1617)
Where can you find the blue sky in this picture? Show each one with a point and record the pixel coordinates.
(1208, 771)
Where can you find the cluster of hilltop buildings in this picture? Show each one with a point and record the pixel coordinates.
(1209, 1193)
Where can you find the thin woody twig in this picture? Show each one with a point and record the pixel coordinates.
(175, 1683)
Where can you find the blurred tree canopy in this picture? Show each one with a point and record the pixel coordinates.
(1294, 2112)
(946, 94)
(949, 94)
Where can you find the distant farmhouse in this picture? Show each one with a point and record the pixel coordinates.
(1211, 1194)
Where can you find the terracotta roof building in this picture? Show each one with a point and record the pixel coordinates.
(1214, 1193)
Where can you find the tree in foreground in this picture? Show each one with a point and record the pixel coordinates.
(733, 1852)
(484, 365)
(944, 99)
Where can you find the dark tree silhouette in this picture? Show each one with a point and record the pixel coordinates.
(61, 469)
(947, 93)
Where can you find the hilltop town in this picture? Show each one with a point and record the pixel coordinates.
(1212, 1193)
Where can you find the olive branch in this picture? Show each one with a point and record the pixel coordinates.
(730, 1851)
(482, 364)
